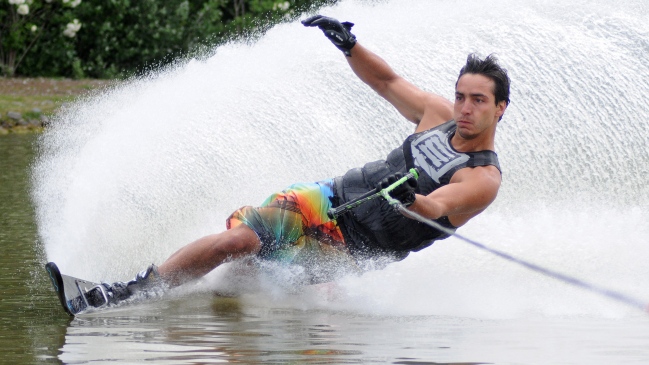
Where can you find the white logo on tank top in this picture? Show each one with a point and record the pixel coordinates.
(433, 154)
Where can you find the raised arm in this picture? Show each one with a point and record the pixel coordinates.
(422, 108)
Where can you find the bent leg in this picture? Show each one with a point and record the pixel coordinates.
(203, 255)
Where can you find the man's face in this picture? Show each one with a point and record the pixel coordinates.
(475, 109)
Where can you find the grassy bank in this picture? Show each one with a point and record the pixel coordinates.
(26, 105)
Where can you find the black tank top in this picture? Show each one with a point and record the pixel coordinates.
(374, 228)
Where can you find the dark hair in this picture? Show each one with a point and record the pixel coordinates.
(490, 68)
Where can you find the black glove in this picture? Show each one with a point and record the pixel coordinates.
(338, 33)
(405, 192)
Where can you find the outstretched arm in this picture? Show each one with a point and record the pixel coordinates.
(422, 108)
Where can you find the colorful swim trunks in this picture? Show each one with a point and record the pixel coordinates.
(294, 228)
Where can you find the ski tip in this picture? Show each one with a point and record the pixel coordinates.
(57, 283)
(54, 274)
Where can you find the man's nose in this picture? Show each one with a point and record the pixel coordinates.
(466, 108)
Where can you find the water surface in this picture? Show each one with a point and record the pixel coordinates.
(31, 326)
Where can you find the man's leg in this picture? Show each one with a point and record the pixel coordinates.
(203, 255)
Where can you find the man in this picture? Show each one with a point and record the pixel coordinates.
(452, 148)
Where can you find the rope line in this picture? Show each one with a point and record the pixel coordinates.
(623, 298)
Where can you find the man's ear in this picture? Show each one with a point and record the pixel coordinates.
(501, 107)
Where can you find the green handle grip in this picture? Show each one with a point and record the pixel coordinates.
(385, 192)
(335, 212)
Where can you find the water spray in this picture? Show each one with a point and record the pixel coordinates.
(612, 294)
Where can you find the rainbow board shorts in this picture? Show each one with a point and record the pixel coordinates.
(294, 228)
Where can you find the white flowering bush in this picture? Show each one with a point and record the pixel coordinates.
(23, 24)
(72, 28)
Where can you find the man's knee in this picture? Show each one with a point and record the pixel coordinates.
(241, 241)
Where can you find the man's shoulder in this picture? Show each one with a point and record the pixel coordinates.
(437, 111)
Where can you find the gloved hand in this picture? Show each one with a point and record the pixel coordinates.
(338, 33)
(405, 192)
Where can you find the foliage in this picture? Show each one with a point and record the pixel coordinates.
(119, 38)
(23, 23)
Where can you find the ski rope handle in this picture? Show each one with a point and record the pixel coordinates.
(373, 194)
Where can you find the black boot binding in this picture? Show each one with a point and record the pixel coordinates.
(145, 283)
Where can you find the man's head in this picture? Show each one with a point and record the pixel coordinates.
(490, 68)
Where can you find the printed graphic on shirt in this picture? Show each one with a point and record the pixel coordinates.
(433, 154)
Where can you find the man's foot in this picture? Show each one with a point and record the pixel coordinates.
(144, 283)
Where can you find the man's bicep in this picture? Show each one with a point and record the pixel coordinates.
(407, 98)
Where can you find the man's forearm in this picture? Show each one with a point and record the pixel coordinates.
(426, 207)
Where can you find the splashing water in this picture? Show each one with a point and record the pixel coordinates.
(128, 176)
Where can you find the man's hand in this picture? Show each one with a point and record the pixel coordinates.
(405, 192)
(338, 33)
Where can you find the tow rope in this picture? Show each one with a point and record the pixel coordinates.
(615, 295)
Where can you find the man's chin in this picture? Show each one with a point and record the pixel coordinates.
(466, 133)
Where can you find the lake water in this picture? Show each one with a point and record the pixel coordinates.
(129, 175)
(192, 326)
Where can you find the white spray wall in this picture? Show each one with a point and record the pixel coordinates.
(130, 175)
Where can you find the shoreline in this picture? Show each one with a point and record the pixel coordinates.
(14, 122)
(21, 130)
(27, 104)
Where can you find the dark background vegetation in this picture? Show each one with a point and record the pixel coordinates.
(122, 38)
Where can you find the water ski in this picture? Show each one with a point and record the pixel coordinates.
(76, 295)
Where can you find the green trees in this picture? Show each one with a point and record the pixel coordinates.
(117, 38)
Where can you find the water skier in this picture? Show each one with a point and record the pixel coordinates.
(452, 148)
